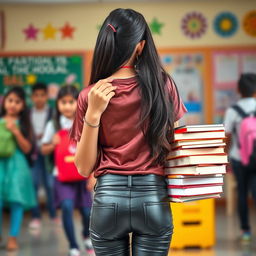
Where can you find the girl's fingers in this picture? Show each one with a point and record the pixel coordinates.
(103, 87)
(108, 90)
(110, 95)
(99, 83)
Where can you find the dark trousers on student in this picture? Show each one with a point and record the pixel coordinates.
(135, 204)
(67, 208)
(41, 176)
(246, 181)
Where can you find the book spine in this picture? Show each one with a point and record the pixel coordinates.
(179, 196)
(194, 186)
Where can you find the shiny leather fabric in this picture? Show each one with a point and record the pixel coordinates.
(135, 204)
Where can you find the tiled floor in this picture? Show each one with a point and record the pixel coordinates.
(51, 241)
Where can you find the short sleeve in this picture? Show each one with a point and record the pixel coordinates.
(179, 108)
(48, 133)
(77, 127)
(230, 120)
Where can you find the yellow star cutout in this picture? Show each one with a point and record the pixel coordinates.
(49, 32)
(31, 79)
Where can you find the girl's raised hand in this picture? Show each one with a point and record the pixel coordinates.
(11, 126)
(100, 95)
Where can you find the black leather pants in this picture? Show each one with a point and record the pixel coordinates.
(131, 204)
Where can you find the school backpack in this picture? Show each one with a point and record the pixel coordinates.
(7, 141)
(247, 138)
(64, 158)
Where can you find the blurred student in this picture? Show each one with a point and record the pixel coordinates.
(16, 186)
(245, 174)
(73, 194)
(40, 114)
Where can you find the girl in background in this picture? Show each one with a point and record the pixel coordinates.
(68, 195)
(16, 186)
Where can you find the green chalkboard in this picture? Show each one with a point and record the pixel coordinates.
(55, 70)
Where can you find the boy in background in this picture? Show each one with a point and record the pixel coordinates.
(40, 113)
(245, 177)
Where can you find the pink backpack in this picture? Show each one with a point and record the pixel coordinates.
(247, 138)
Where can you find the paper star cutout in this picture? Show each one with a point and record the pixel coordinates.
(67, 31)
(99, 26)
(156, 26)
(31, 78)
(31, 32)
(49, 32)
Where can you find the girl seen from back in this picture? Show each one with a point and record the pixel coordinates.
(123, 128)
(16, 187)
(69, 194)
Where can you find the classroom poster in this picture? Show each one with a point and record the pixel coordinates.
(249, 63)
(187, 70)
(54, 70)
(227, 69)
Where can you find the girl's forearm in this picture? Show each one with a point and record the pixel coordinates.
(47, 149)
(87, 147)
(23, 143)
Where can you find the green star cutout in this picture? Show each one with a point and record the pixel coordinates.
(156, 26)
(99, 26)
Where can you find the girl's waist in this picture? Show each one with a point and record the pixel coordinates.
(131, 180)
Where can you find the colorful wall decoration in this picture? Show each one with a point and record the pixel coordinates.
(225, 24)
(194, 25)
(156, 26)
(49, 32)
(249, 23)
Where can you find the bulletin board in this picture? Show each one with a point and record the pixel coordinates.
(228, 65)
(53, 68)
(207, 78)
(189, 69)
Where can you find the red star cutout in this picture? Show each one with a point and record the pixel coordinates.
(67, 31)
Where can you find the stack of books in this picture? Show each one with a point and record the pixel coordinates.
(196, 163)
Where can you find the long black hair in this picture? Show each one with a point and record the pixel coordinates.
(24, 119)
(64, 91)
(114, 47)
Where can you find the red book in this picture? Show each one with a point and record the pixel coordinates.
(199, 135)
(199, 128)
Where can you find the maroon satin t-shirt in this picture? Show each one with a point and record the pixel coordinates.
(122, 146)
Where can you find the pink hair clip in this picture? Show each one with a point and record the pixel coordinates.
(112, 27)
